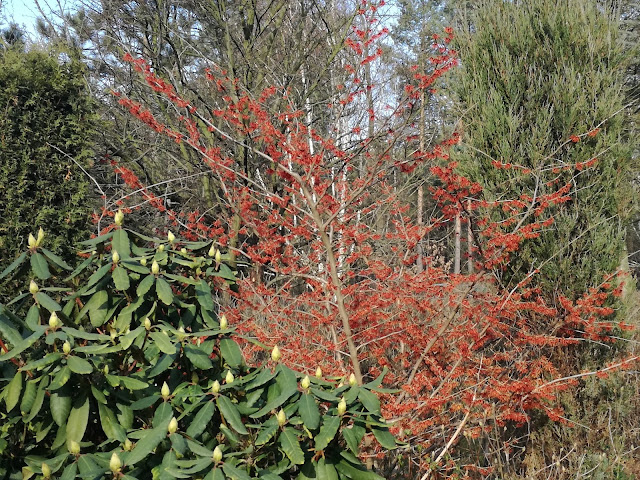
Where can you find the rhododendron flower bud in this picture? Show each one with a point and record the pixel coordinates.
(217, 454)
(115, 257)
(195, 378)
(171, 237)
(215, 388)
(161, 247)
(229, 378)
(155, 268)
(223, 322)
(147, 323)
(46, 470)
(173, 426)
(40, 237)
(128, 445)
(143, 262)
(54, 321)
(66, 347)
(342, 406)
(165, 391)
(115, 464)
(305, 383)
(212, 251)
(318, 372)
(118, 218)
(218, 256)
(183, 251)
(275, 354)
(282, 417)
(352, 380)
(33, 287)
(32, 242)
(74, 447)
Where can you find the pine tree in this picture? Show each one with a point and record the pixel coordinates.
(541, 88)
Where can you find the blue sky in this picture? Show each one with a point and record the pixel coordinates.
(25, 12)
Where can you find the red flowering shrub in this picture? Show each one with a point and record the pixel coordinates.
(325, 241)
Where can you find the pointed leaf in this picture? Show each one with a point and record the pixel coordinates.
(163, 342)
(231, 415)
(384, 437)
(308, 410)
(151, 439)
(55, 259)
(231, 352)
(163, 289)
(369, 400)
(15, 264)
(40, 266)
(330, 425)
(145, 285)
(79, 365)
(47, 302)
(13, 390)
(201, 420)
(291, 446)
(235, 473)
(120, 278)
(120, 243)
(77, 420)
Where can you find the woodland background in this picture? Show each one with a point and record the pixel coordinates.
(442, 189)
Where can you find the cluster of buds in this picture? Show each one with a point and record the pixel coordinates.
(36, 242)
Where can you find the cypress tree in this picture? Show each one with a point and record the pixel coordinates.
(541, 88)
(46, 110)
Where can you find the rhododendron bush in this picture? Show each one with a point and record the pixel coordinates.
(324, 239)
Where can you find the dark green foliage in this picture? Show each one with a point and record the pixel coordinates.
(535, 73)
(132, 360)
(44, 104)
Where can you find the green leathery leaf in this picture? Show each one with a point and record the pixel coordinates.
(13, 265)
(203, 295)
(369, 400)
(79, 365)
(120, 278)
(98, 275)
(267, 433)
(145, 285)
(61, 378)
(353, 436)
(23, 345)
(197, 356)
(148, 442)
(231, 352)
(234, 473)
(120, 243)
(78, 419)
(201, 420)
(110, 425)
(328, 430)
(13, 390)
(291, 446)
(163, 342)
(55, 259)
(33, 317)
(325, 470)
(308, 410)
(231, 414)
(47, 302)
(28, 396)
(42, 362)
(8, 331)
(355, 472)
(384, 437)
(98, 307)
(69, 472)
(39, 400)
(40, 266)
(163, 289)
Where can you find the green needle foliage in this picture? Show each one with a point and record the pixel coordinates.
(45, 106)
(130, 373)
(535, 73)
